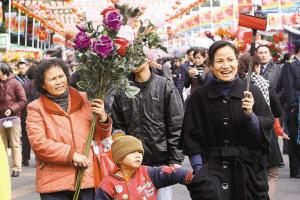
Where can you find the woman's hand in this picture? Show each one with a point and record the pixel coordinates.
(192, 72)
(97, 107)
(80, 160)
(247, 103)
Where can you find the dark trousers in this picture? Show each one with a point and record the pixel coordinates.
(85, 194)
(293, 147)
(284, 118)
(26, 148)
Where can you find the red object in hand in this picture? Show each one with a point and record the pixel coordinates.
(122, 46)
(277, 128)
(254, 22)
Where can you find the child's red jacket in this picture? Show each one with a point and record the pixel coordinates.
(143, 185)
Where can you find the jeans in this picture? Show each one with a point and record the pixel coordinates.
(85, 194)
(165, 193)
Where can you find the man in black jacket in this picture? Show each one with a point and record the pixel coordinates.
(154, 116)
(291, 85)
(270, 70)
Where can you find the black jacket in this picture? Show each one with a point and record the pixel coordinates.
(215, 126)
(272, 73)
(198, 80)
(155, 117)
(291, 82)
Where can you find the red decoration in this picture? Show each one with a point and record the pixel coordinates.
(43, 34)
(114, 1)
(122, 46)
(248, 37)
(109, 9)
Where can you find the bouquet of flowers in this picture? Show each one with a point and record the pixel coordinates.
(107, 53)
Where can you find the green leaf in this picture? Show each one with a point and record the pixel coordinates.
(131, 91)
(82, 85)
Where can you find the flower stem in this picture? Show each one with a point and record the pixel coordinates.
(86, 153)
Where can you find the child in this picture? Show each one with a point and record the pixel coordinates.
(132, 180)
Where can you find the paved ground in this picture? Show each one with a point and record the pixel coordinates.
(23, 186)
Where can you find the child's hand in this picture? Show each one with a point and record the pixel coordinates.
(175, 166)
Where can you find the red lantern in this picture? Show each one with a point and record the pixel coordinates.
(43, 34)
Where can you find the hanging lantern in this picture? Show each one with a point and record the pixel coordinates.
(42, 7)
(114, 1)
(43, 34)
(74, 10)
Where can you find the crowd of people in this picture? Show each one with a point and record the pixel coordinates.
(196, 106)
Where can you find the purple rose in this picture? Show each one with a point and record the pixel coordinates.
(82, 41)
(103, 46)
(112, 20)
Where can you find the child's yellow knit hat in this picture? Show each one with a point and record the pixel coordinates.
(124, 145)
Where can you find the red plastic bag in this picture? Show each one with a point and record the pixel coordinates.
(103, 164)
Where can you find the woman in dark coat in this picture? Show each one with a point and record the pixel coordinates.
(197, 73)
(274, 158)
(226, 131)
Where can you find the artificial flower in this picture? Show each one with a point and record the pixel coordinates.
(82, 41)
(103, 46)
(122, 45)
(112, 20)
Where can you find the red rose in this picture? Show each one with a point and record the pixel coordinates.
(122, 46)
(281, 36)
(276, 38)
(109, 9)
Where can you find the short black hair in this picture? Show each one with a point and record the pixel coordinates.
(218, 45)
(45, 65)
(244, 64)
(5, 68)
(31, 72)
(190, 50)
(20, 63)
(202, 52)
(262, 45)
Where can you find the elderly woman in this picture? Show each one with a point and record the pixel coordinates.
(225, 132)
(58, 124)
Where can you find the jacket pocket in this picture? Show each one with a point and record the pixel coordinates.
(155, 105)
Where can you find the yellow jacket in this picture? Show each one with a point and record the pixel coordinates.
(4, 174)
